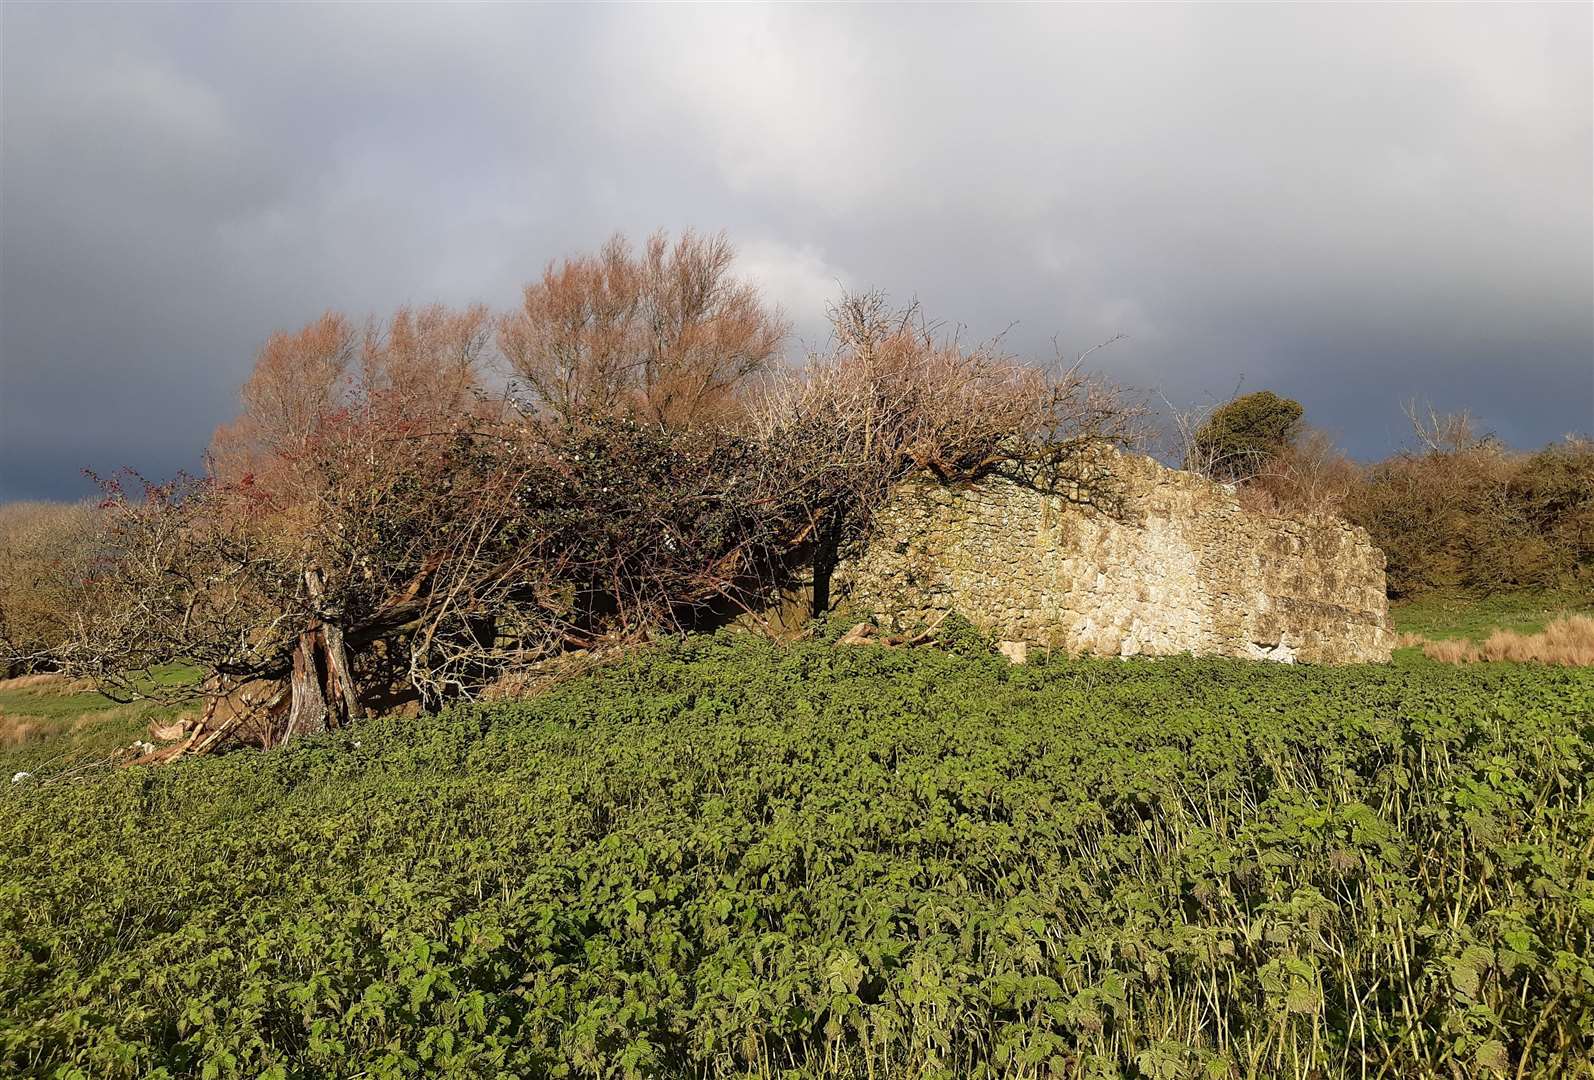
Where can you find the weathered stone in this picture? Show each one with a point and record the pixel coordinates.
(1178, 566)
(1016, 651)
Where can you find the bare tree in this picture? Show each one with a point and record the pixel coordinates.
(1180, 442)
(893, 397)
(299, 377)
(1443, 433)
(705, 332)
(432, 360)
(667, 337)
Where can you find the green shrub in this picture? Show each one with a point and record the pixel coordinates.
(1555, 490)
(960, 637)
(730, 859)
(1243, 435)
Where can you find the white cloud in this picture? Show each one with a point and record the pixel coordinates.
(798, 278)
(782, 98)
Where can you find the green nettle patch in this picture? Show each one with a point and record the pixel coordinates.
(724, 858)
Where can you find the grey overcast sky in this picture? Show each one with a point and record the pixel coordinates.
(1347, 204)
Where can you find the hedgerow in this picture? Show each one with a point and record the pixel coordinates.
(725, 858)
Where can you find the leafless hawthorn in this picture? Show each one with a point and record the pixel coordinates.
(1443, 433)
(1311, 475)
(666, 337)
(892, 397)
(1180, 444)
(176, 578)
(401, 531)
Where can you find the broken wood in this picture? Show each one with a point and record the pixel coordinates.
(868, 634)
(339, 676)
(861, 634)
(171, 732)
(340, 691)
(308, 713)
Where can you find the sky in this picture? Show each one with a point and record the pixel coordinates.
(1350, 205)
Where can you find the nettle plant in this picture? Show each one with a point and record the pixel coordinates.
(724, 858)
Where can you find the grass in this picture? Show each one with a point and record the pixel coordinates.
(1539, 625)
(1568, 640)
(48, 723)
(1442, 615)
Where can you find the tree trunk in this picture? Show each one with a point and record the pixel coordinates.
(827, 550)
(340, 680)
(340, 699)
(308, 714)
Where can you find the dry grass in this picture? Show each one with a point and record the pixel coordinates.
(1453, 651)
(33, 682)
(47, 682)
(17, 729)
(1567, 641)
(535, 678)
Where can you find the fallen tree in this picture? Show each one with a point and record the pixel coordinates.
(379, 528)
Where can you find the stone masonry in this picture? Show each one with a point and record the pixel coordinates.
(1178, 565)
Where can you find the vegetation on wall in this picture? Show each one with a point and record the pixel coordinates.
(1239, 438)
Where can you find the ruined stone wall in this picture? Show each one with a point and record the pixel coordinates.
(1179, 566)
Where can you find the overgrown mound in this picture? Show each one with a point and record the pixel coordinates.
(728, 859)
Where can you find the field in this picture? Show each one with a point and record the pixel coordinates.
(1442, 615)
(724, 858)
(47, 724)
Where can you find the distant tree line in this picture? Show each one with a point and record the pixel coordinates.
(1463, 511)
(1456, 510)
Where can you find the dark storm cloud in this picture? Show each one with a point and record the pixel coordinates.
(1349, 205)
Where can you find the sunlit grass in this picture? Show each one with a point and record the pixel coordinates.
(1459, 615)
(50, 722)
